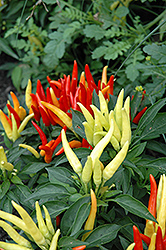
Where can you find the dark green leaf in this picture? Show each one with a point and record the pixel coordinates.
(33, 167)
(102, 235)
(4, 187)
(77, 120)
(134, 206)
(68, 219)
(55, 207)
(59, 175)
(6, 49)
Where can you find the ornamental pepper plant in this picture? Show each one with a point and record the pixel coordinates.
(90, 162)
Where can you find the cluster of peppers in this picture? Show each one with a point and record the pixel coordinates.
(16, 120)
(154, 233)
(42, 233)
(94, 173)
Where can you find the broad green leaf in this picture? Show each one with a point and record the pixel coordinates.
(99, 52)
(136, 151)
(55, 207)
(157, 52)
(133, 206)
(80, 218)
(33, 167)
(149, 116)
(156, 127)
(132, 72)
(94, 31)
(4, 187)
(68, 219)
(102, 235)
(60, 175)
(16, 77)
(158, 164)
(77, 120)
(121, 11)
(52, 191)
(131, 165)
(135, 103)
(67, 241)
(6, 48)
(157, 146)
(23, 192)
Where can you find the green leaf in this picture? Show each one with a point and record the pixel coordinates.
(67, 241)
(94, 31)
(156, 127)
(102, 235)
(133, 206)
(4, 187)
(6, 49)
(68, 219)
(33, 167)
(157, 146)
(121, 11)
(158, 164)
(132, 72)
(99, 52)
(55, 207)
(59, 175)
(149, 115)
(77, 120)
(16, 77)
(136, 151)
(157, 52)
(52, 191)
(80, 218)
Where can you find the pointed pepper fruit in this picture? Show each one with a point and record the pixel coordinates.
(7, 125)
(126, 128)
(30, 149)
(118, 109)
(89, 225)
(9, 246)
(79, 247)
(161, 215)
(41, 223)
(137, 239)
(48, 221)
(32, 228)
(139, 115)
(98, 149)
(74, 79)
(111, 168)
(54, 242)
(71, 156)
(14, 235)
(73, 144)
(159, 241)
(12, 111)
(62, 115)
(41, 133)
(146, 239)
(28, 91)
(152, 242)
(131, 246)
(87, 170)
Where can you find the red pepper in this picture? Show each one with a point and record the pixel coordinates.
(56, 83)
(76, 99)
(49, 98)
(89, 77)
(44, 115)
(79, 247)
(139, 115)
(48, 79)
(55, 89)
(153, 196)
(164, 243)
(41, 133)
(82, 94)
(68, 88)
(74, 79)
(36, 113)
(48, 153)
(137, 239)
(16, 116)
(159, 241)
(111, 84)
(73, 144)
(40, 91)
(58, 221)
(146, 239)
